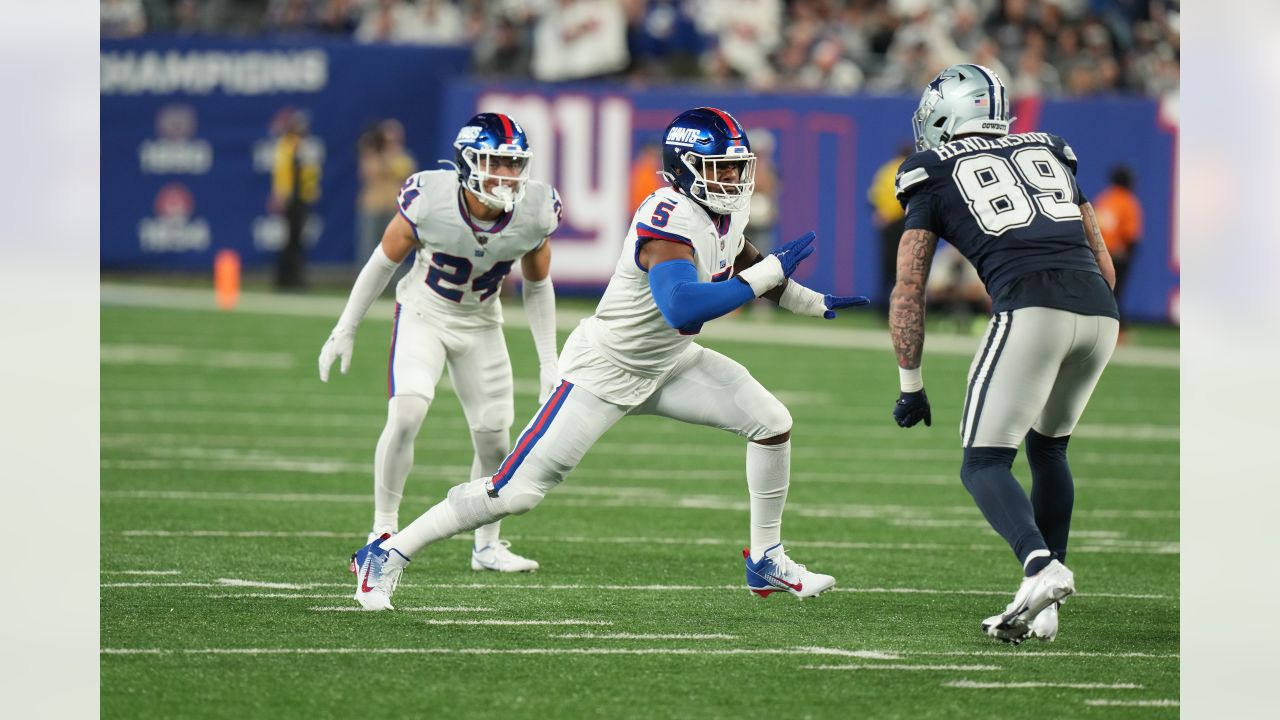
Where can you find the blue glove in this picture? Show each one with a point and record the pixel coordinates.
(791, 254)
(837, 302)
(911, 408)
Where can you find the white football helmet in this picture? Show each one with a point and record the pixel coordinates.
(962, 99)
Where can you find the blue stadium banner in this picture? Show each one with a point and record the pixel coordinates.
(188, 130)
(597, 145)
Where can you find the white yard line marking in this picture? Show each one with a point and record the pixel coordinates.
(1133, 703)
(231, 582)
(975, 685)
(1005, 653)
(1137, 547)
(237, 582)
(141, 572)
(796, 651)
(927, 668)
(518, 622)
(347, 608)
(630, 497)
(314, 596)
(643, 636)
(173, 355)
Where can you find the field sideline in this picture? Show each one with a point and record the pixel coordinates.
(235, 486)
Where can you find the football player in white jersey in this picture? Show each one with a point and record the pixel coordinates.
(468, 228)
(685, 261)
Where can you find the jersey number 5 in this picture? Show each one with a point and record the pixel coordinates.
(996, 189)
(662, 214)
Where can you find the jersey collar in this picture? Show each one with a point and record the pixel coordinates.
(498, 225)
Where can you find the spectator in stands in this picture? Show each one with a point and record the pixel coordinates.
(384, 21)
(828, 69)
(663, 38)
(290, 16)
(121, 18)
(435, 22)
(384, 164)
(746, 32)
(502, 50)
(340, 17)
(295, 186)
(1120, 221)
(580, 39)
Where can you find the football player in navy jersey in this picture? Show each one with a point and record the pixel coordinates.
(1010, 204)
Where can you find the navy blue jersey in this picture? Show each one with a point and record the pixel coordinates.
(1012, 207)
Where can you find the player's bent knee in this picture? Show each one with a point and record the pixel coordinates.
(495, 417)
(520, 499)
(405, 414)
(472, 504)
(977, 459)
(773, 421)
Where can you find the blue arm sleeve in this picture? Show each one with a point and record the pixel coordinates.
(684, 301)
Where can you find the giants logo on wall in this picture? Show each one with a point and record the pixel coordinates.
(175, 150)
(172, 227)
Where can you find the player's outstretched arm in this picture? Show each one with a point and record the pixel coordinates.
(1097, 244)
(686, 302)
(397, 241)
(795, 297)
(540, 307)
(906, 324)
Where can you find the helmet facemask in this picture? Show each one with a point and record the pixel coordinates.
(728, 196)
(508, 166)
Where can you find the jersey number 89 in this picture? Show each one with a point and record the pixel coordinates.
(996, 189)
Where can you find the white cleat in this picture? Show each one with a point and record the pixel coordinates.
(1051, 585)
(377, 574)
(1045, 627)
(775, 572)
(498, 556)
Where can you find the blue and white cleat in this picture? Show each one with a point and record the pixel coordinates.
(377, 574)
(776, 572)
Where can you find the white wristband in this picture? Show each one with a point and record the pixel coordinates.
(764, 275)
(802, 301)
(910, 380)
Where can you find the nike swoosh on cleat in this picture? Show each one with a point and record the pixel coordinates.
(364, 581)
(797, 587)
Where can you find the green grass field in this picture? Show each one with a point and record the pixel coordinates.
(235, 486)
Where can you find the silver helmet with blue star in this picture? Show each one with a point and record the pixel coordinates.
(962, 99)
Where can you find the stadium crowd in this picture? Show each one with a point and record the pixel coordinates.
(1041, 48)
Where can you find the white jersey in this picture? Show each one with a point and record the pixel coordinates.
(621, 351)
(461, 263)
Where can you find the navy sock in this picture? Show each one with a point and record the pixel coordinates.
(1053, 491)
(987, 477)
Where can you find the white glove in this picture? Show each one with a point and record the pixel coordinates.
(548, 376)
(340, 344)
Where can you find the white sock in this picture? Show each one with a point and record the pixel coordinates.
(768, 476)
(438, 523)
(491, 450)
(393, 459)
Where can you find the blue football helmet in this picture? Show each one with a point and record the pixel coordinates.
(705, 153)
(492, 156)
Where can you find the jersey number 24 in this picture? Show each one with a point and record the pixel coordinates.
(996, 189)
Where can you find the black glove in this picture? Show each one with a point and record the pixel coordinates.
(911, 408)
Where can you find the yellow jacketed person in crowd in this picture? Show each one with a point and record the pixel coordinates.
(295, 186)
